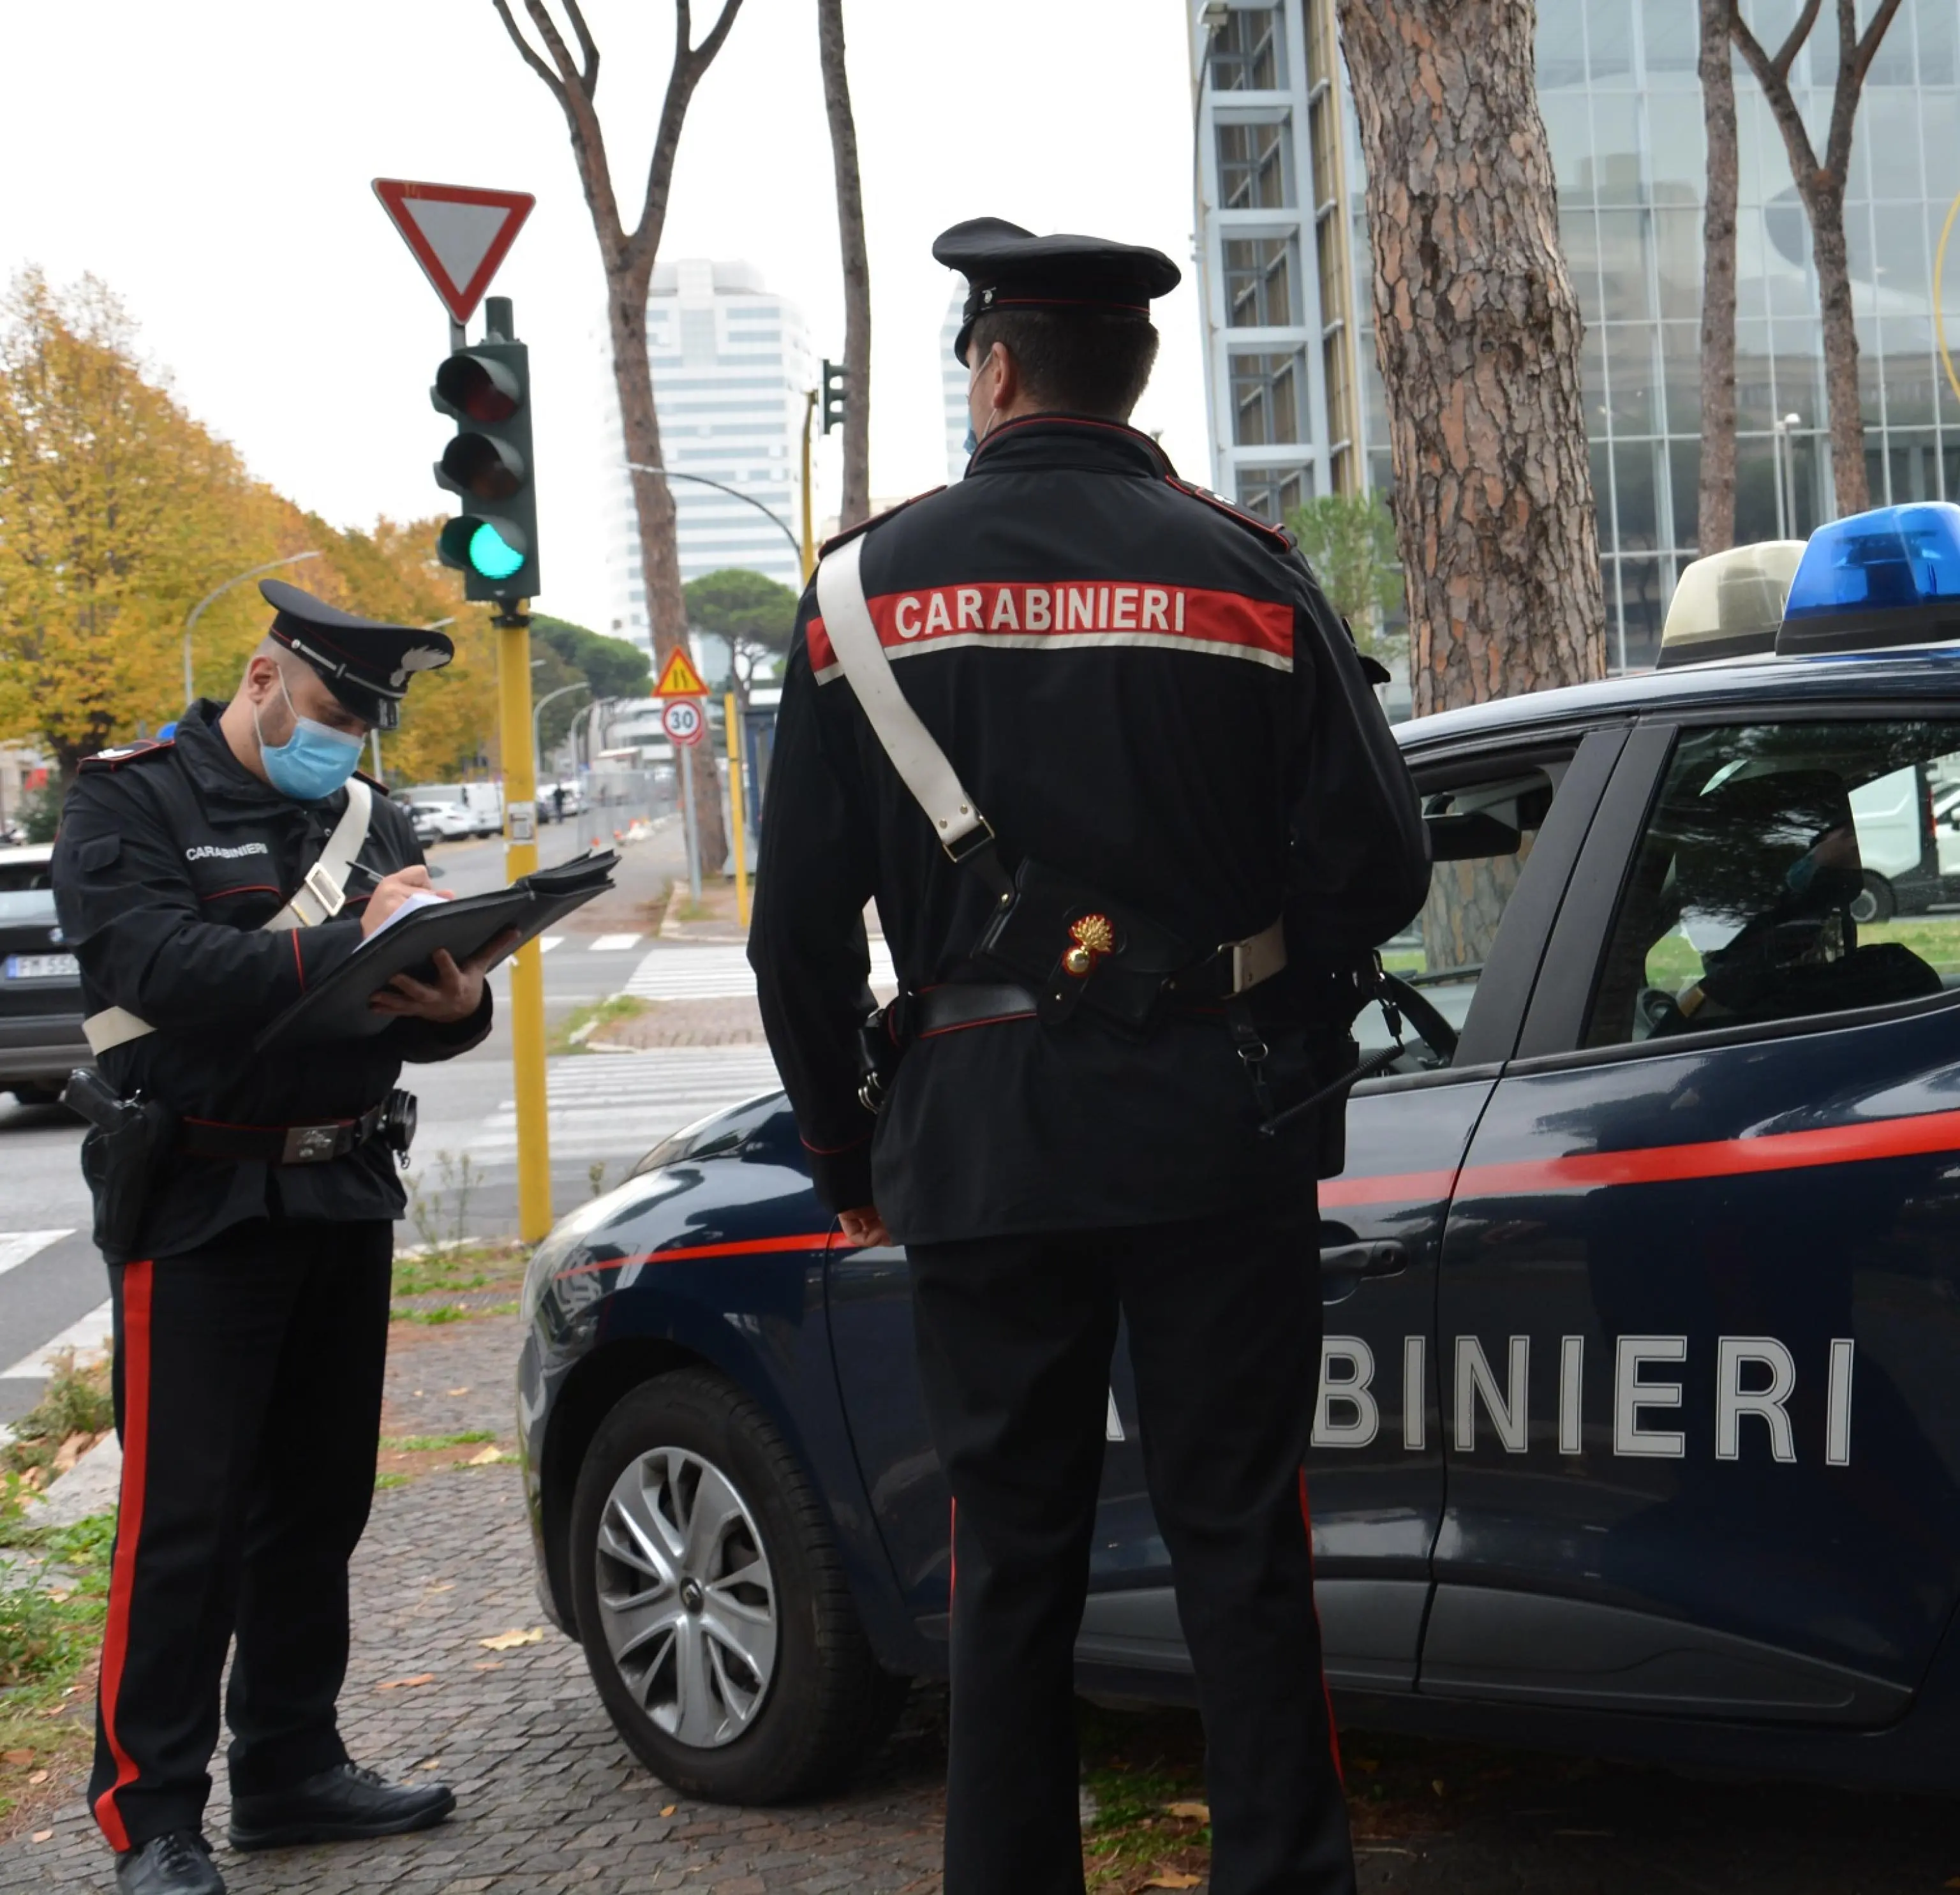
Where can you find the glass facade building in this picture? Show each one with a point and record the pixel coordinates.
(731, 363)
(1619, 89)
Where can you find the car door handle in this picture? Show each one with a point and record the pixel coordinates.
(1385, 1257)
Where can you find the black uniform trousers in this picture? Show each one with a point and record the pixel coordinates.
(248, 1397)
(1015, 1337)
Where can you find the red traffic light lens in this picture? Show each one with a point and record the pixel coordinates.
(474, 386)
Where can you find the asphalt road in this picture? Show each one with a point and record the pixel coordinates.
(604, 1112)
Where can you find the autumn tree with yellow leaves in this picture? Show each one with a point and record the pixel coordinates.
(119, 511)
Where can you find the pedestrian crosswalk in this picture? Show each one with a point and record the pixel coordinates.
(720, 972)
(598, 944)
(612, 1108)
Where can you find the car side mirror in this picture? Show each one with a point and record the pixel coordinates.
(1469, 837)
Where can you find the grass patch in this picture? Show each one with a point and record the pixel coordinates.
(424, 1443)
(383, 1481)
(1137, 1766)
(50, 1631)
(458, 1266)
(572, 1033)
(451, 1312)
(75, 1410)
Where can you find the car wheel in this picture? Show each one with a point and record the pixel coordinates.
(712, 1602)
(1875, 902)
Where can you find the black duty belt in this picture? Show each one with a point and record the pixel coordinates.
(955, 1003)
(319, 1143)
(969, 1003)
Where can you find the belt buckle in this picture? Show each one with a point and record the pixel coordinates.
(310, 1144)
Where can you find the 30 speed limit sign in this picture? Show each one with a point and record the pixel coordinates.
(681, 719)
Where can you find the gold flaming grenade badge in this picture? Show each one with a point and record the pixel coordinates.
(1093, 938)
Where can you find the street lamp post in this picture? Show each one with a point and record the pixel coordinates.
(736, 493)
(1785, 494)
(563, 691)
(197, 610)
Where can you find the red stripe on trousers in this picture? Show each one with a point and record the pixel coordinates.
(1333, 1735)
(128, 1531)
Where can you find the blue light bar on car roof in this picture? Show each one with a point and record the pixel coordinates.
(1886, 578)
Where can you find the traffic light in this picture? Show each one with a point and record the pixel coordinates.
(833, 396)
(486, 388)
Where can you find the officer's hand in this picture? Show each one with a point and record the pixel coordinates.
(391, 890)
(457, 992)
(864, 1228)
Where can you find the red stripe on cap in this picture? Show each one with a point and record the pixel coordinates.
(1067, 613)
(136, 1288)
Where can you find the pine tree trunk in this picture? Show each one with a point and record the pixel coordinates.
(1715, 511)
(1824, 201)
(660, 546)
(856, 504)
(1476, 335)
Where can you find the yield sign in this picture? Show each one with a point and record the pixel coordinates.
(458, 234)
(678, 678)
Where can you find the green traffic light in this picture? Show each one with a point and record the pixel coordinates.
(492, 555)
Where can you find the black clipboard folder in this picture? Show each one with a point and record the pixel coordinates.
(338, 1009)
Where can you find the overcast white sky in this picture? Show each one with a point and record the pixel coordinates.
(210, 160)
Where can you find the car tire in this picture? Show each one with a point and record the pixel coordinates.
(824, 1702)
(1875, 902)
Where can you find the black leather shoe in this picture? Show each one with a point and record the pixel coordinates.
(337, 1806)
(178, 1864)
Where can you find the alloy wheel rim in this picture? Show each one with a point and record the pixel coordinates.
(686, 1597)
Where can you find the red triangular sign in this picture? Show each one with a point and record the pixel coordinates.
(459, 234)
(678, 678)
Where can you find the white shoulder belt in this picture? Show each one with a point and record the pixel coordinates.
(925, 769)
(319, 897)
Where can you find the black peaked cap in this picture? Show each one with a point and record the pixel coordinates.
(367, 664)
(1007, 267)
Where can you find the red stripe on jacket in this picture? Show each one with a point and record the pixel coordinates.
(1066, 614)
(136, 1288)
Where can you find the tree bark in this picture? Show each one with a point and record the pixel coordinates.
(1820, 186)
(628, 259)
(856, 504)
(1715, 509)
(1477, 333)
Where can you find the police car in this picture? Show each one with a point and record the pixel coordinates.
(1639, 1426)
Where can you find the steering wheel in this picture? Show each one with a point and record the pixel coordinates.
(1435, 1032)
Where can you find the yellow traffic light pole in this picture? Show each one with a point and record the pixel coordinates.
(527, 973)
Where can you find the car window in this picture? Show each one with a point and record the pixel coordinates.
(27, 891)
(1788, 870)
(1481, 836)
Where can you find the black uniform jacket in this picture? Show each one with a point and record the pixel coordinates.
(1142, 688)
(170, 859)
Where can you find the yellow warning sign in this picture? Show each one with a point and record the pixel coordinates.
(678, 678)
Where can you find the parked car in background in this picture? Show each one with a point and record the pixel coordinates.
(41, 1040)
(441, 823)
(482, 804)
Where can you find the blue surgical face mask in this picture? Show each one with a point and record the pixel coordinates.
(314, 762)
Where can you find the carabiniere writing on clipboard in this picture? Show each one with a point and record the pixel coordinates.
(244, 1205)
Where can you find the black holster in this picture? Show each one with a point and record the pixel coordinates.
(1131, 986)
(123, 1152)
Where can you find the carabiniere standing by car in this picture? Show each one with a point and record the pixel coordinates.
(1114, 771)
(245, 1207)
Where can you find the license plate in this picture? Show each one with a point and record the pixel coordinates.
(43, 967)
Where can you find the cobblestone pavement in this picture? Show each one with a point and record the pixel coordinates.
(551, 1800)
